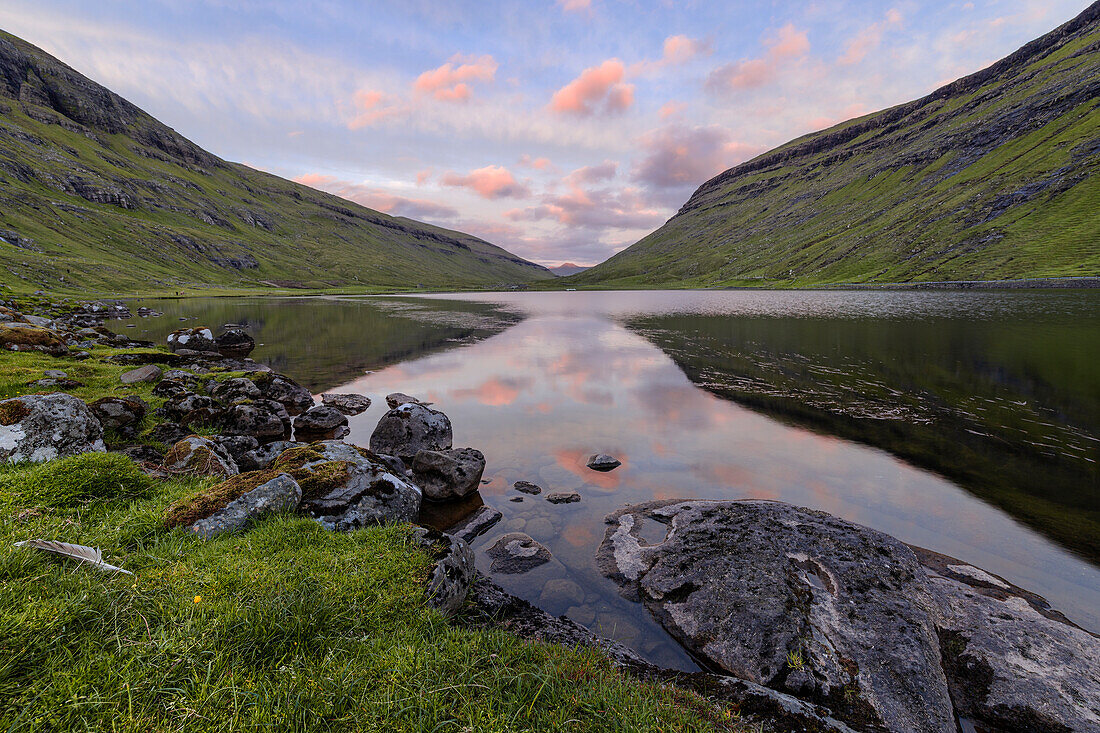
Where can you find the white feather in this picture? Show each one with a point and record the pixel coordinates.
(90, 555)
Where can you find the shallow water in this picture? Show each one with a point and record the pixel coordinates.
(964, 422)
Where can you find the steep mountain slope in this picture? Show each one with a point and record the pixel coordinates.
(97, 195)
(992, 176)
(567, 268)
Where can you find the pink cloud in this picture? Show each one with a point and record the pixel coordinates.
(671, 109)
(490, 182)
(605, 171)
(377, 198)
(371, 106)
(423, 176)
(593, 209)
(576, 6)
(539, 164)
(786, 45)
(868, 39)
(681, 49)
(598, 88)
(677, 155)
(448, 82)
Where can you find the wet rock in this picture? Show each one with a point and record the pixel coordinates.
(476, 524)
(235, 344)
(284, 390)
(560, 593)
(603, 462)
(448, 474)
(793, 599)
(527, 487)
(320, 423)
(516, 552)
(115, 413)
(44, 427)
(563, 497)
(450, 578)
(266, 454)
(1012, 664)
(147, 373)
(198, 456)
(396, 399)
(234, 390)
(192, 340)
(346, 487)
(349, 404)
(516, 499)
(280, 494)
(410, 428)
(264, 420)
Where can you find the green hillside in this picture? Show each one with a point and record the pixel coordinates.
(96, 195)
(990, 177)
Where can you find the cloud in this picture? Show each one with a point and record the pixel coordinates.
(575, 6)
(377, 198)
(671, 109)
(681, 49)
(598, 89)
(868, 39)
(539, 164)
(490, 182)
(448, 82)
(626, 208)
(371, 107)
(677, 155)
(423, 176)
(605, 171)
(784, 46)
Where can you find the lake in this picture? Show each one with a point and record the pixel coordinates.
(963, 422)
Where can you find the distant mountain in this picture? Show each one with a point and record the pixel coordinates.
(97, 195)
(567, 268)
(993, 176)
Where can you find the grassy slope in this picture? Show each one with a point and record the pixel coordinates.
(991, 177)
(181, 216)
(285, 626)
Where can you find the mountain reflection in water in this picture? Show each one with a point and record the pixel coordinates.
(807, 397)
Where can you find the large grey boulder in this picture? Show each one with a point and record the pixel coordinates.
(793, 599)
(192, 339)
(410, 428)
(265, 420)
(453, 572)
(517, 552)
(235, 343)
(1012, 663)
(352, 488)
(448, 474)
(238, 389)
(284, 390)
(320, 423)
(44, 427)
(280, 494)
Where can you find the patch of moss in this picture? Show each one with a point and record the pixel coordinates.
(12, 411)
(191, 509)
(320, 480)
(86, 477)
(12, 335)
(294, 459)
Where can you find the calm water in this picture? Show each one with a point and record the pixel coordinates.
(966, 423)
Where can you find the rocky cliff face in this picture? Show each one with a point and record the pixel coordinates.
(97, 194)
(992, 176)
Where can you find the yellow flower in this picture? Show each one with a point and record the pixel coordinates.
(198, 599)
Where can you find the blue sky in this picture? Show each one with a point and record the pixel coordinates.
(563, 130)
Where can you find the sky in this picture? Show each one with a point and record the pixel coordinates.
(562, 130)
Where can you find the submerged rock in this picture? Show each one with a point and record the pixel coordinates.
(280, 494)
(793, 599)
(349, 404)
(516, 552)
(44, 427)
(603, 462)
(476, 524)
(527, 487)
(448, 474)
(410, 428)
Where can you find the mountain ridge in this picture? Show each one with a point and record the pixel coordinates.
(95, 187)
(725, 232)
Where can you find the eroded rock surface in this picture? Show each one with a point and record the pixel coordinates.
(793, 599)
(192, 339)
(517, 552)
(280, 494)
(448, 474)
(453, 572)
(410, 428)
(44, 427)
(346, 402)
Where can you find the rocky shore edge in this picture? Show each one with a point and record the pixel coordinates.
(805, 621)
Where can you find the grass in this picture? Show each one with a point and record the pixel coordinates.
(286, 626)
